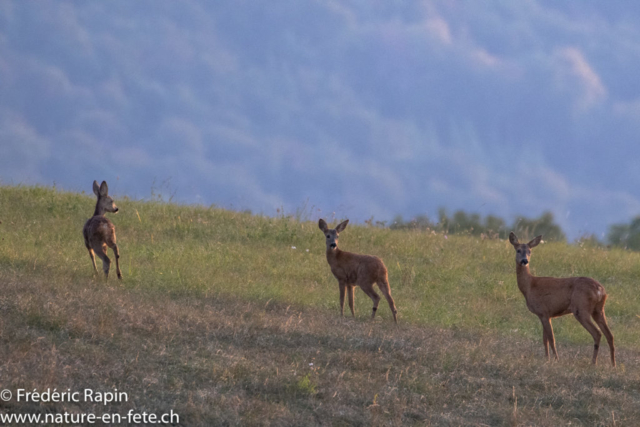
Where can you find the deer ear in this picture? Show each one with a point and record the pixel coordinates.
(340, 228)
(104, 189)
(322, 225)
(535, 242)
(513, 239)
(96, 188)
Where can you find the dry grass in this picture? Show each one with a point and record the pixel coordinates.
(220, 361)
(218, 322)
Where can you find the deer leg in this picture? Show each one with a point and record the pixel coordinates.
(386, 291)
(367, 288)
(101, 251)
(584, 318)
(350, 290)
(342, 292)
(601, 320)
(548, 330)
(91, 254)
(552, 341)
(93, 259)
(117, 254)
(545, 341)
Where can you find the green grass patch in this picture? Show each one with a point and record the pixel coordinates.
(221, 314)
(437, 280)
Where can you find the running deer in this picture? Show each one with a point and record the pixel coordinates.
(549, 297)
(354, 269)
(99, 233)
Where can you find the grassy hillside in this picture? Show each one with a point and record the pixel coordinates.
(221, 314)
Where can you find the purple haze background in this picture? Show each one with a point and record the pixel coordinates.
(362, 108)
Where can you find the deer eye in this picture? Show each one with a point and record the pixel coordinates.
(518, 251)
(328, 236)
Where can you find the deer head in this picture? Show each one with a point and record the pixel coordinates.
(523, 250)
(332, 234)
(105, 203)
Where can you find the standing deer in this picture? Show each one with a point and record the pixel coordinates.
(99, 233)
(354, 269)
(549, 297)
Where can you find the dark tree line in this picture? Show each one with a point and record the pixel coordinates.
(490, 226)
(625, 236)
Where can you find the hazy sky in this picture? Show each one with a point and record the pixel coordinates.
(362, 108)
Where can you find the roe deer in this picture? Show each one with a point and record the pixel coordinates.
(354, 269)
(99, 233)
(549, 297)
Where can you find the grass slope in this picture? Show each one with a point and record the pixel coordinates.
(220, 319)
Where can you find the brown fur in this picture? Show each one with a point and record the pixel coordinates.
(99, 233)
(353, 270)
(549, 297)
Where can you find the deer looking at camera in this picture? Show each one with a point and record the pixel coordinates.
(353, 270)
(99, 233)
(549, 297)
